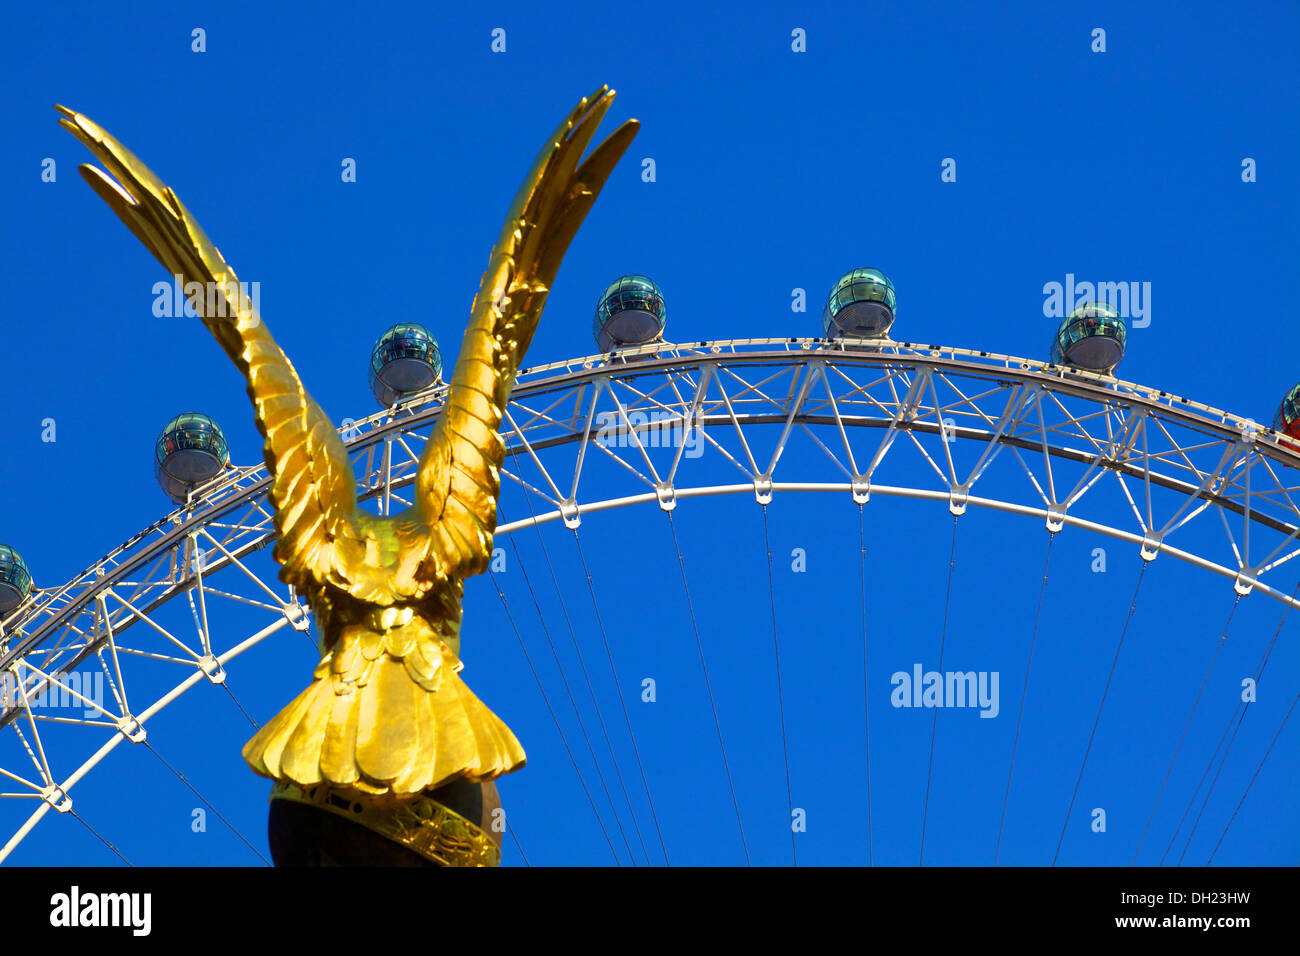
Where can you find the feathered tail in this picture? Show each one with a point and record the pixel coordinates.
(386, 714)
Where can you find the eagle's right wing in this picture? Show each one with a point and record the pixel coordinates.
(312, 489)
(458, 480)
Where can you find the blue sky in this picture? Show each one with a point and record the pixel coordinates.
(775, 170)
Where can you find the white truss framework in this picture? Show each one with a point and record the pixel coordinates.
(1075, 444)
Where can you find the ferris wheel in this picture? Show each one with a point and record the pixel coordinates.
(92, 664)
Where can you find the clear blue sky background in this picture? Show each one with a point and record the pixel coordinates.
(776, 170)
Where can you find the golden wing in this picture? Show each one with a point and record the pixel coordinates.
(312, 489)
(458, 480)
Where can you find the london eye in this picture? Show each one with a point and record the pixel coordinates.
(703, 437)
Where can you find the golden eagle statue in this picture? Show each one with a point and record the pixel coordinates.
(387, 716)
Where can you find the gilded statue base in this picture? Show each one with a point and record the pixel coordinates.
(323, 826)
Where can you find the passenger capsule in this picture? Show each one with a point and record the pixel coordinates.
(189, 451)
(1092, 337)
(631, 312)
(1287, 419)
(404, 361)
(15, 579)
(860, 306)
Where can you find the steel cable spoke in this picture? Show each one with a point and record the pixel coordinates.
(1097, 720)
(780, 697)
(573, 702)
(866, 715)
(1253, 777)
(934, 722)
(1024, 693)
(225, 684)
(518, 846)
(183, 779)
(717, 725)
(1208, 793)
(600, 718)
(116, 851)
(1183, 736)
(551, 710)
(621, 699)
(1238, 715)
